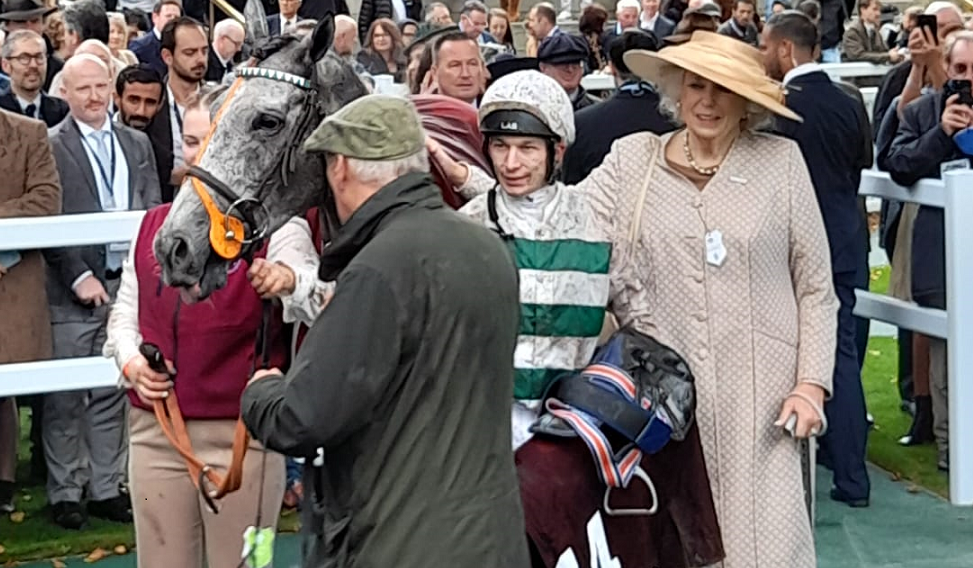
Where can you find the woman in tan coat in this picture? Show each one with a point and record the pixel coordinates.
(719, 251)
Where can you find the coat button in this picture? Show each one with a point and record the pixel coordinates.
(697, 201)
(698, 277)
(700, 316)
(702, 354)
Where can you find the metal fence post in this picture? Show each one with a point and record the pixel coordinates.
(959, 307)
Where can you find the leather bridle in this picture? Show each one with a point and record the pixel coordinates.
(238, 231)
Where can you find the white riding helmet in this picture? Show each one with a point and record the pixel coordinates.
(537, 95)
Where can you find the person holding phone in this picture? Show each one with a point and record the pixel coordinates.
(31, 188)
(925, 146)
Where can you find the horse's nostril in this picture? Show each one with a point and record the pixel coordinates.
(179, 255)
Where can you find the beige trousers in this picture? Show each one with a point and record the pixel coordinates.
(173, 526)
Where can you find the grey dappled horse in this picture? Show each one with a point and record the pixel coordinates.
(254, 163)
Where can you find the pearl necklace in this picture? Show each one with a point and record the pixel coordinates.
(692, 162)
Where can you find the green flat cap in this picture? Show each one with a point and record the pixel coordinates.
(373, 127)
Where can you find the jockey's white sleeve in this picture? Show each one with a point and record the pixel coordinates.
(293, 246)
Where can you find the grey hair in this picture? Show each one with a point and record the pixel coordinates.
(7, 47)
(669, 85)
(963, 36)
(431, 7)
(383, 172)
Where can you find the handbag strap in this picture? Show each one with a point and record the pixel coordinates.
(636, 223)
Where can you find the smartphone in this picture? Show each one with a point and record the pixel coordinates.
(928, 21)
(961, 87)
(9, 258)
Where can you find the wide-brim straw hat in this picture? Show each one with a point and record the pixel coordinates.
(726, 61)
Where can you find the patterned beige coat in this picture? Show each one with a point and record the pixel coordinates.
(750, 329)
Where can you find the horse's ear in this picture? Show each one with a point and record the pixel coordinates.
(256, 20)
(322, 37)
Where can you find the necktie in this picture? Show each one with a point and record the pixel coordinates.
(102, 139)
(31, 110)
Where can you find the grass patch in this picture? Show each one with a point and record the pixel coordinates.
(916, 464)
(37, 537)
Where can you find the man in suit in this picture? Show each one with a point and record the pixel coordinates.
(23, 57)
(228, 38)
(316, 9)
(652, 20)
(30, 188)
(473, 22)
(185, 51)
(285, 21)
(148, 48)
(634, 107)
(626, 18)
(542, 22)
(862, 40)
(106, 167)
(832, 142)
(29, 15)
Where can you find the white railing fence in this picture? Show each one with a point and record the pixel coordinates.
(30, 233)
(954, 194)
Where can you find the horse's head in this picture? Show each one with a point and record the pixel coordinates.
(252, 175)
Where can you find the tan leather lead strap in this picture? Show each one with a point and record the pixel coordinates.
(174, 428)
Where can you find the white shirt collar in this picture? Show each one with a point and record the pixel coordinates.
(553, 31)
(157, 34)
(24, 102)
(87, 131)
(648, 24)
(223, 62)
(800, 70)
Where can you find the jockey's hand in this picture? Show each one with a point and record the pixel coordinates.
(271, 279)
(456, 172)
(90, 291)
(808, 420)
(148, 384)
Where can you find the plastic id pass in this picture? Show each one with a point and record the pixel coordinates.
(258, 547)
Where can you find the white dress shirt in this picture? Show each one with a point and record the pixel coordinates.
(114, 198)
(24, 103)
(802, 69)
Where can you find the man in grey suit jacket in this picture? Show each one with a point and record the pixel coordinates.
(105, 167)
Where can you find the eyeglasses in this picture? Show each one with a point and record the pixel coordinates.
(26, 58)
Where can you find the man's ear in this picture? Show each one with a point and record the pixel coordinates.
(166, 57)
(559, 149)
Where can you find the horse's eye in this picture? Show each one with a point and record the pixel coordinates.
(267, 122)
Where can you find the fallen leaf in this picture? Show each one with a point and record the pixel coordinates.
(9, 564)
(2, 549)
(95, 555)
(17, 517)
(874, 352)
(58, 563)
(26, 497)
(120, 549)
(912, 488)
(895, 476)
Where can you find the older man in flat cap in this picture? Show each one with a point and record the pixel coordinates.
(400, 394)
(562, 58)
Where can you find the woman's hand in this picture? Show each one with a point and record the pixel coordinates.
(456, 172)
(806, 402)
(271, 279)
(148, 384)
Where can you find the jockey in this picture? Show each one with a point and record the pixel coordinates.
(562, 254)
